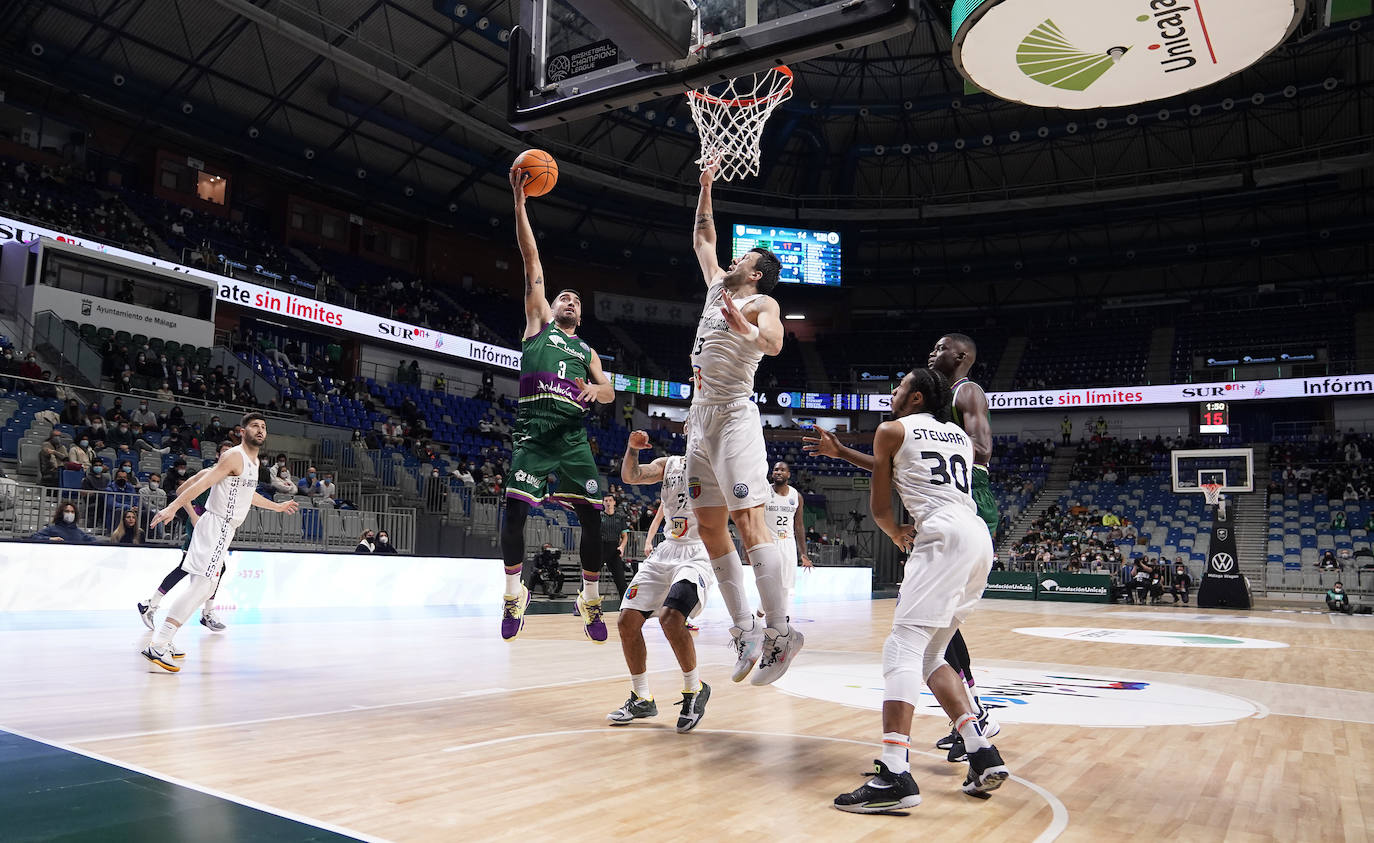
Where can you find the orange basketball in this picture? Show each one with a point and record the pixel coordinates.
(542, 168)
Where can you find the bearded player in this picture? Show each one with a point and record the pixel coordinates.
(560, 377)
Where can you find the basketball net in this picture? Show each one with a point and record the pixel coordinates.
(1212, 491)
(730, 116)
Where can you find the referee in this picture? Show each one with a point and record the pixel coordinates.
(615, 532)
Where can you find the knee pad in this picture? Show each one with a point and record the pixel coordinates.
(903, 656)
(682, 597)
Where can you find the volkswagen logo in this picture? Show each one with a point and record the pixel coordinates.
(1222, 563)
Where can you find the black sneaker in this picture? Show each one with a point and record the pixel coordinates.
(986, 772)
(635, 708)
(956, 749)
(886, 791)
(948, 740)
(693, 708)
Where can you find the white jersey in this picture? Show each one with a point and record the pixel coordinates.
(933, 469)
(782, 515)
(679, 525)
(232, 497)
(723, 362)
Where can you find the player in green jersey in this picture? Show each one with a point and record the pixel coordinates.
(560, 377)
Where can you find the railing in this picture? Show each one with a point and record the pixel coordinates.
(26, 508)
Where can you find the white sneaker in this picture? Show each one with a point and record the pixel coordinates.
(148, 614)
(746, 644)
(778, 653)
(177, 652)
(211, 621)
(162, 657)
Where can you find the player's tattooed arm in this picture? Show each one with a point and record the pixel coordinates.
(704, 231)
(537, 310)
(631, 471)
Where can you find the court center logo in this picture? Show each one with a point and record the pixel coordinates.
(1222, 563)
(1069, 696)
(1149, 637)
(1047, 56)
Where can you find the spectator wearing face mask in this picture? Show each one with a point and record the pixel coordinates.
(79, 454)
(366, 542)
(214, 431)
(30, 368)
(175, 477)
(64, 527)
(309, 485)
(1180, 584)
(1338, 601)
(281, 480)
(164, 392)
(119, 435)
(52, 458)
(327, 487)
(152, 495)
(144, 416)
(72, 413)
(384, 544)
(116, 411)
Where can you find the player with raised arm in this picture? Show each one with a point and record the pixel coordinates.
(672, 582)
(233, 491)
(928, 461)
(726, 457)
(953, 357)
(560, 377)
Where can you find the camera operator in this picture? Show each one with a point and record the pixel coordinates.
(547, 572)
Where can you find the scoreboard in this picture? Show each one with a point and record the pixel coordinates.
(1215, 418)
(878, 402)
(807, 256)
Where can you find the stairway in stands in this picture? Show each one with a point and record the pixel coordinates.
(1251, 517)
(1056, 484)
(1007, 366)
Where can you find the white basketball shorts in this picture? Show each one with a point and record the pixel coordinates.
(670, 562)
(209, 548)
(947, 570)
(727, 462)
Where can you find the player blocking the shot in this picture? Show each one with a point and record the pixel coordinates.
(232, 484)
(560, 377)
(928, 461)
(726, 458)
(672, 583)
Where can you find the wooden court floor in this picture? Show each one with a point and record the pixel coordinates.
(1138, 723)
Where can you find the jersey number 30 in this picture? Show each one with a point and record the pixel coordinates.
(942, 473)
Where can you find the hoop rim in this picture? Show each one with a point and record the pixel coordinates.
(747, 102)
(1212, 492)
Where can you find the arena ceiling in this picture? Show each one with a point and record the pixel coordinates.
(390, 95)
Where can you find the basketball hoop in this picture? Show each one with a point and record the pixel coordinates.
(1212, 491)
(730, 117)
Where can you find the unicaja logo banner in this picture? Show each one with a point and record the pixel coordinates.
(1105, 53)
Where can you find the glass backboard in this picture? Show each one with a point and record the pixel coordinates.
(1231, 468)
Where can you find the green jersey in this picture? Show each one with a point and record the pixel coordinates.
(958, 416)
(549, 363)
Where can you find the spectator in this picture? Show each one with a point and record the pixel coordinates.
(1350, 494)
(214, 431)
(116, 411)
(1328, 562)
(415, 371)
(164, 392)
(144, 416)
(152, 495)
(628, 414)
(384, 544)
(1338, 520)
(95, 427)
(1337, 600)
(52, 458)
(401, 371)
(79, 454)
(1066, 431)
(464, 474)
(176, 476)
(366, 543)
(30, 368)
(71, 413)
(1369, 523)
(128, 531)
(1180, 584)
(327, 487)
(436, 491)
(1142, 579)
(281, 480)
(309, 485)
(64, 527)
(119, 435)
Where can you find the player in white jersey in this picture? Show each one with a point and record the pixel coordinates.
(672, 582)
(233, 491)
(783, 510)
(726, 457)
(928, 460)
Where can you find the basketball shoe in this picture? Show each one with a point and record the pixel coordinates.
(778, 653)
(746, 644)
(693, 708)
(147, 614)
(886, 791)
(211, 621)
(986, 771)
(162, 657)
(593, 625)
(954, 742)
(513, 613)
(177, 652)
(635, 708)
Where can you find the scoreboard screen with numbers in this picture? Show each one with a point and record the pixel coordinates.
(1215, 418)
(807, 257)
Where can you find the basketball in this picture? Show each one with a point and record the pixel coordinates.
(542, 168)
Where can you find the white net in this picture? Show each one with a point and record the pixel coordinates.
(730, 116)
(1212, 493)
